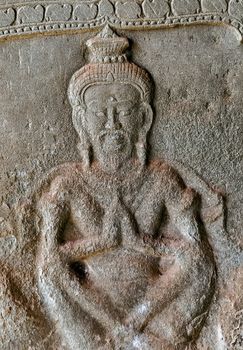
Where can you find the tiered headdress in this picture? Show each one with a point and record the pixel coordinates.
(108, 63)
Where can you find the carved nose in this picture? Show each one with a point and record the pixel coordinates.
(112, 119)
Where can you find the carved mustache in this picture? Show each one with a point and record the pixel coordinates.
(115, 135)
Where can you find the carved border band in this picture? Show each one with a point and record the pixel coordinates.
(48, 17)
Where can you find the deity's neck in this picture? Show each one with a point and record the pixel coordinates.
(130, 169)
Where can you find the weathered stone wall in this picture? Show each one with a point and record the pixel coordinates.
(198, 129)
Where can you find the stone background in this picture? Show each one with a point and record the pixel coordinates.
(198, 106)
(198, 74)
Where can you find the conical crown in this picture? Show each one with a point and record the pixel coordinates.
(107, 47)
(108, 63)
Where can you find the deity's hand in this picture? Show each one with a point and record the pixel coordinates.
(106, 238)
(119, 218)
(120, 224)
(111, 227)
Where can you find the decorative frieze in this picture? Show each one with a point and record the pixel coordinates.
(51, 17)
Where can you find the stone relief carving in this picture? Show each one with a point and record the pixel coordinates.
(52, 17)
(123, 259)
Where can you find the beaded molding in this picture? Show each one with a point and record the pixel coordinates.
(52, 17)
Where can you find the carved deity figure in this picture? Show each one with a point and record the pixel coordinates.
(123, 260)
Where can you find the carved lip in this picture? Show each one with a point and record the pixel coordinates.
(116, 139)
(115, 145)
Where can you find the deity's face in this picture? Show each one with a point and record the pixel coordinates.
(113, 116)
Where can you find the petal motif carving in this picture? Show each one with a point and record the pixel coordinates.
(56, 12)
(30, 14)
(214, 5)
(155, 8)
(184, 7)
(85, 12)
(128, 9)
(7, 17)
(106, 8)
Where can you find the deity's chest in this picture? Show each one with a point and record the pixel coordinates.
(142, 200)
(123, 275)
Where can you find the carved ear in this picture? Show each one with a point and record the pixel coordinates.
(77, 116)
(147, 121)
(141, 145)
(79, 124)
(84, 145)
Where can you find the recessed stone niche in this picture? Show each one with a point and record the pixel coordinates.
(121, 175)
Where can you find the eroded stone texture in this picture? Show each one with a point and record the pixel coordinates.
(133, 241)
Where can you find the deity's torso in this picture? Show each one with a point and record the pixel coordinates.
(123, 274)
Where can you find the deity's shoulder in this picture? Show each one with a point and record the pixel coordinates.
(165, 175)
(60, 179)
(170, 184)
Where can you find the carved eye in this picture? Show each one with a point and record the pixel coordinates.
(125, 113)
(100, 114)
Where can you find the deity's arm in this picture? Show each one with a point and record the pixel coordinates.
(181, 204)
(65, 298)
(183, 215)
(185, 255)
(98, 243)
(118, 227)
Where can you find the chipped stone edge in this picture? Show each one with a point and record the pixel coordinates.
(50, 26)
